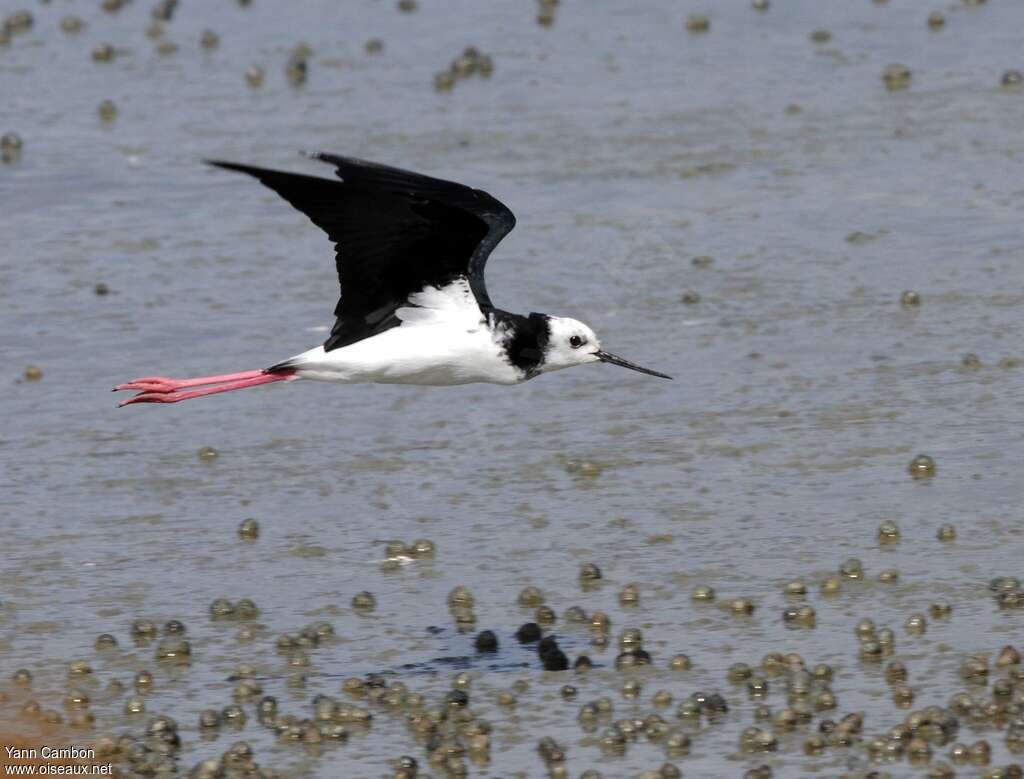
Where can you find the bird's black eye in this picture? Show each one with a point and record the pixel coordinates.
(577, 341)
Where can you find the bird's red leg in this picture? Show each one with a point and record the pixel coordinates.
(174, 396)
(162, 384)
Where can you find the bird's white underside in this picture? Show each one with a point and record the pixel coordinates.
(444, 339)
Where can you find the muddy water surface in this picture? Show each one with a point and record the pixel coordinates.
(627, 147)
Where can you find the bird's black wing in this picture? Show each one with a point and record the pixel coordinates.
(395, 233)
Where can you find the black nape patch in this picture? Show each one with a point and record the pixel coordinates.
(526, 340)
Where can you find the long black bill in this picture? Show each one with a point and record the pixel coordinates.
(611, 358)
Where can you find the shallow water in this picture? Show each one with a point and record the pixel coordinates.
(626, 147)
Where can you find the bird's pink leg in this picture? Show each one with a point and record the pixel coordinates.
(163, 396)
(162, 384)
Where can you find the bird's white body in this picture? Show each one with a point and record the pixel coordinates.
(444, 339)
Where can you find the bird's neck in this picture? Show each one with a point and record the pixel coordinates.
(524, 339)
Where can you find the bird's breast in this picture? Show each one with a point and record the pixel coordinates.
(425, 355)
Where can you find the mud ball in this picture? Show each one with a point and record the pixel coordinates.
(486, 641)
(222, 608)
(551, 655)
(697, 23)
(940, 609)
(105, 641)
(296, 70)
(1008, 656)
(422, 548)
(461, 597)
(249, 529)
(71, 25)
(631, 639)
(895, 672)
(741, 606)
(870, 651)
(103, 53)
(739, 672)
(246, 609)
(589, 573)
(530, 597)
(22, 678)
(680, 663)
(456, 699)
(662, 698)
(528, 633)
(254, 76)
(888, 533)
(852, 569)
(916, 624)
(896, 76)
(545, 615)
(630, 595)
(796, 588)
(902, 696)
(703, 593)
(209, 40)
(364, 602)
(922, 467)
(143, 629)
(174, 650)
(107, 111)
(832, 586)
(631, 689)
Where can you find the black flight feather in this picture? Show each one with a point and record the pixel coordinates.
(395, 233)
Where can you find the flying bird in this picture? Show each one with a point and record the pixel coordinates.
(414, 309)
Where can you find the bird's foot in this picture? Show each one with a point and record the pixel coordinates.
(151, 384)
(159, 390)
(154, 397)
(162, 384)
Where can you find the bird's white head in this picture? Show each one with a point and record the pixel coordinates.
(570, 342)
